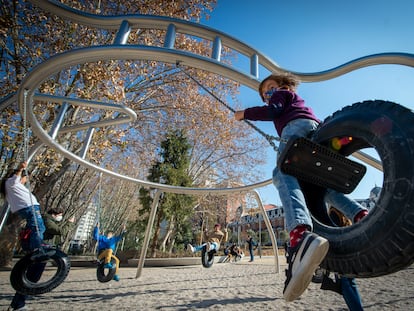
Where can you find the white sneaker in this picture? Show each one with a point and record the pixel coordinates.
(190, 248)
(208, 247)
(303, 261)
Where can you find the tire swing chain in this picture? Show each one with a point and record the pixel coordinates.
(26, 157)
(270, 139)
(100, 269)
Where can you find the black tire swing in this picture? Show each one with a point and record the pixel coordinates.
(207, 258)
(105, 274)
(25, 281)
(382, 242)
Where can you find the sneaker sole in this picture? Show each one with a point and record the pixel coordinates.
(317, 251)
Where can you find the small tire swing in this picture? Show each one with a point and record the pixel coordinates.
(207, 258)
(105, 274)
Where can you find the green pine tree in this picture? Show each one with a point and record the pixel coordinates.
(172, 227)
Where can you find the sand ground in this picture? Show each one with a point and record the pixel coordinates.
(224, 286)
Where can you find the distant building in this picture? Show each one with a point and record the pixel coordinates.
(254, 221)
(243, 221)
(373, 198)
(83, 232)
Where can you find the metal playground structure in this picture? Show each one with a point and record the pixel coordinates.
(121, 50)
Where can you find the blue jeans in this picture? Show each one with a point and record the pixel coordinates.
(291, 195)
(251, 253)
(34, 221)
(213, 245)
(351, 294)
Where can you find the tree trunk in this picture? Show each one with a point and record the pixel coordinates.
(8, 241)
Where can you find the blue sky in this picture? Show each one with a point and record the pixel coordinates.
(311, 36)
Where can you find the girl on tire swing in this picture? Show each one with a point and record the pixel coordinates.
(291, 117)
(106, 247)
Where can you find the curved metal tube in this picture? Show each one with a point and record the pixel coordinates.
(269, 229)
(136, 21)
(60, 61)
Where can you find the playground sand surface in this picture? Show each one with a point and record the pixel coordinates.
(224, 286)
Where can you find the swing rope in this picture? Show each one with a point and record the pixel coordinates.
(26, 158)
(270, 139)
(98, 212)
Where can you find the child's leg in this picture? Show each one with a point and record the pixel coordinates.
(116, 263)
(198, 248)
(351, 294)
(106, 255)
(290, 192)
(34, 221)
(293, 200)
(347, 206)
(214, 246)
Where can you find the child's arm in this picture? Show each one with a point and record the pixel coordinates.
(269, 112)
(96, 233)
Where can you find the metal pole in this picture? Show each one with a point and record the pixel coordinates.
(123, 33)
(4, 215)
(260, 236)
(238, 233)
(87, 142)
(216, 49)
(148, 231)
(270, 229)
(170, 37)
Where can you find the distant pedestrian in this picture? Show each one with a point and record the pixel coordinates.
(251, 243)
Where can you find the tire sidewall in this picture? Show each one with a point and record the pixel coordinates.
(100, 272)
(207, 258)
(387, 127)
(21, 284)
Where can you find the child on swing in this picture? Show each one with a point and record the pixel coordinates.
(213, 240)
(291, 117)
(106, 247)
(23, 203)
